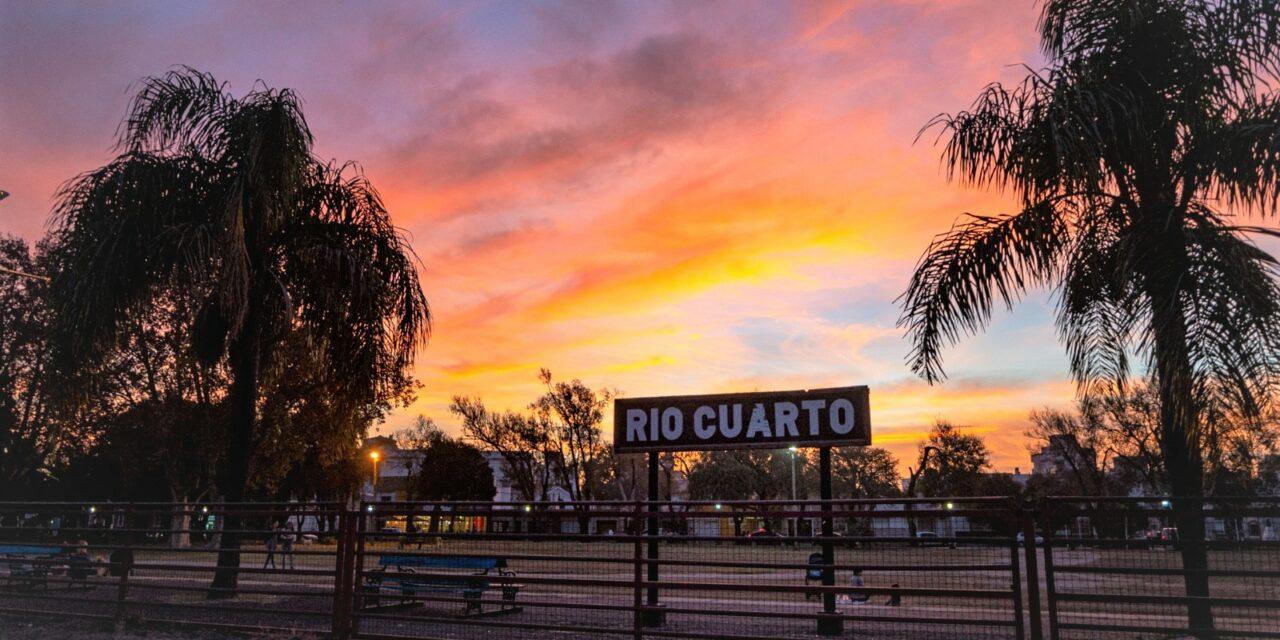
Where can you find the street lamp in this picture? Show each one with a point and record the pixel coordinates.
(375, 456)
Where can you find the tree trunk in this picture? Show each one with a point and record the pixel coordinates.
(1180, 444)
(180, 522)
(235, 473)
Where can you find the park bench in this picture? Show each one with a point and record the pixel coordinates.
(403, 577)
(23, 567)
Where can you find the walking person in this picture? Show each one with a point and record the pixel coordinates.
(272, 541)
(287, 538)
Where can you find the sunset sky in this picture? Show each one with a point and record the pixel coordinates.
(662, 198)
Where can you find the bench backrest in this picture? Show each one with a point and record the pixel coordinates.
(815, 573)
(28, 550)
(474, 563)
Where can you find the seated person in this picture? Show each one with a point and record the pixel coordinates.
(856, 581)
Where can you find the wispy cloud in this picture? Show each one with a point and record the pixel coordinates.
(662, 197)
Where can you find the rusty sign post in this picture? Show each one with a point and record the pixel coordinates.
(820, 418)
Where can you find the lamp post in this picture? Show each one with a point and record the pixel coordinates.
(375, 456)
(795, 521)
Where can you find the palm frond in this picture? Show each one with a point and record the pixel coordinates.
(181, 109)
(120, 231)
(967, 269)
(1099, 309)
(354, 276)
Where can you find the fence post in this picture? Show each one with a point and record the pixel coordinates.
(1050, 590)
(342, 585)
(1033, 574)
(126, 557)
(1015, 568)
(829, 622)
(654, 616)
(637, 562)
(358, 529)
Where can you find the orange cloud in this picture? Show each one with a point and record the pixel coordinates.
(658, 197)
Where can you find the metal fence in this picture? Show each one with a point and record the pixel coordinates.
(159, 563)
(933, 568)
(1128, 568)
(740, 570)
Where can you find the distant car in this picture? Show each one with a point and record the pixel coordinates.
(309, 538)
(927, 539)
(1169, 534)
(764, 536)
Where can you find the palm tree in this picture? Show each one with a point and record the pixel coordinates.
(1134, 155)
(223, 197)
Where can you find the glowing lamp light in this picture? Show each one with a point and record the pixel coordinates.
(719, 506)
(93, 509)
(374, 455)
(369, 508)
(951, 505)
(1165, 503)
(204, 509)
(528, 507)
(794, 449)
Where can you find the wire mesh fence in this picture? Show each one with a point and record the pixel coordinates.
(248, 566)
(938, 568)
(1144, 567)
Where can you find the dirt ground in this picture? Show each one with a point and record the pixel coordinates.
(15, 628)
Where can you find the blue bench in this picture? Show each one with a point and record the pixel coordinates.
(403, 577)
(22, 572)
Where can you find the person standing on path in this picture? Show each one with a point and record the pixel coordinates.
(286, 546)
(272, 541)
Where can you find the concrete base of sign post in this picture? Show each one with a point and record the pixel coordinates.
(830, 624)
(654, 615)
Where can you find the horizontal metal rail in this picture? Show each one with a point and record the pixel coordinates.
(1168, 571)
(1261, 603)
(1000, 541)
(1169, 631)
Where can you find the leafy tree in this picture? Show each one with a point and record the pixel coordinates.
(1133, 155)
(30, 436)
(861, 473)
(523, 441)
(576, 412)
(453, 470)
(864, 472)
(957, 465)
(750, 474)
(222, 195)
(312, 424)
(419, 436)
(1080, 440)
(1121, 429)
(725, 475)
(558, 442)
(168, 450)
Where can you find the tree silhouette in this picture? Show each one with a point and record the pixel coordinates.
(223, 196)
(1133, 155)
